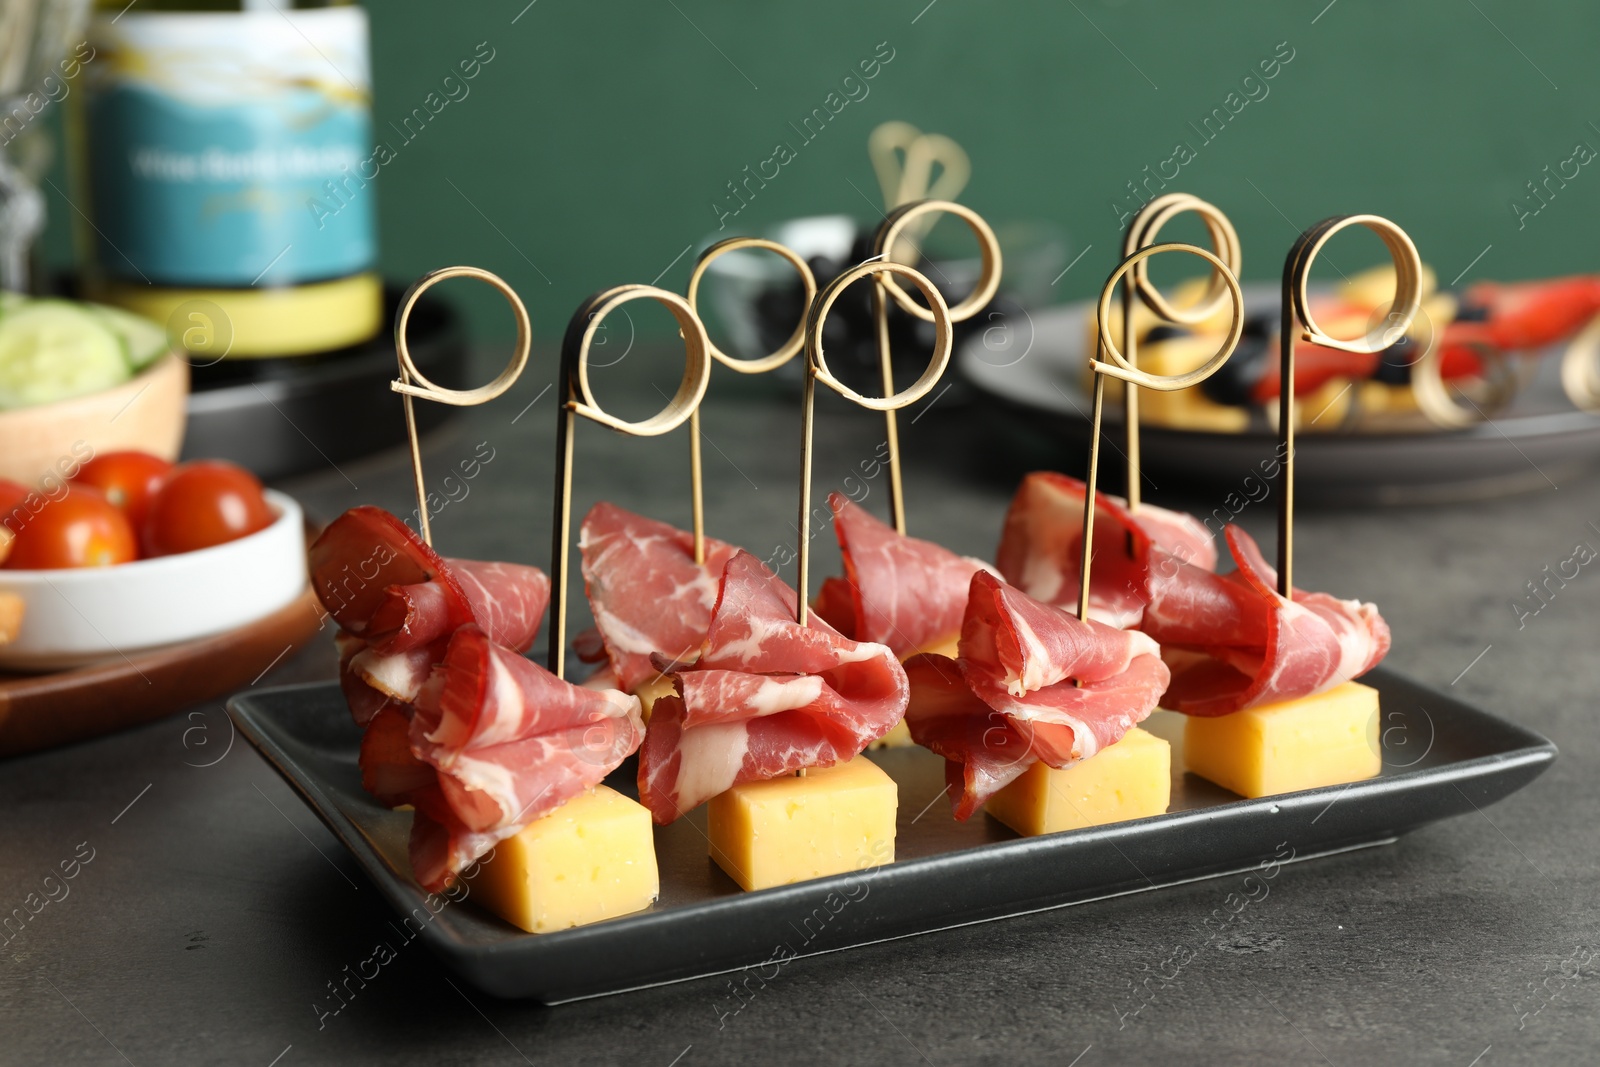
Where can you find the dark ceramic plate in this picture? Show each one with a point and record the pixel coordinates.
(1033, 376)
(1441, 758)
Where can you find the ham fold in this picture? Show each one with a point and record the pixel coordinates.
(499, 742)
(647, 593)
(457, 723)
(1041, 547)
(896, 590)
(397, 602)
(1032, 684)
(1232, 642)
(762, 696)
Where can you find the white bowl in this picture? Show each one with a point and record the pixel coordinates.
(76, 616)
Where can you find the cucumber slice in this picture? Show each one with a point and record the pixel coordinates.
(142, 340)
(51, 350)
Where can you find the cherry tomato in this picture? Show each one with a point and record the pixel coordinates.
(11, 495)
(128, 479)
(80, 529)
(204, 503)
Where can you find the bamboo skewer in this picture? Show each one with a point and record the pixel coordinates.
(817, 371)
(773, 361)
(904, 158)
(1141, 233)
(413, 383)
(1299, 325)
(577, 401)
(1119, 367)
(894, 226)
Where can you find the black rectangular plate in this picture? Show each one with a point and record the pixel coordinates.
(1441, 758)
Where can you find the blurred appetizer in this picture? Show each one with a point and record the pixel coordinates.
(501, 761)
(1478, 342)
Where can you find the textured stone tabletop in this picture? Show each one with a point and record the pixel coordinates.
(215, 908)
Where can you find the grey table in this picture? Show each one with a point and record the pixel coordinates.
(215, 910)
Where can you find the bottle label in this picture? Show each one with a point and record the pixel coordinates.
(216, 142)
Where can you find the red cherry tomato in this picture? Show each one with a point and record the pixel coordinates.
(12, 494)
(204, 503)
(128, 479)
(81, 529)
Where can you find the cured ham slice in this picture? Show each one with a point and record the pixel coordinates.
(506, 743)
(647, 593)
(1232, 642)
(763, 696)
(477, 739)
(1042, 545)
(1033, 684)
(364, 701)
(896, 590)
(382, 583)
(389, 772)
(397, 602)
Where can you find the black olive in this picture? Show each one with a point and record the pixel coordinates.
(1166, 331)
(1472, 311)
(1396, 361)
(1235, 379)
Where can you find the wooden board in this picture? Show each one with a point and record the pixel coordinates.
(39, 711)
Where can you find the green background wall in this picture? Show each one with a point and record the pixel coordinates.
(595, 142)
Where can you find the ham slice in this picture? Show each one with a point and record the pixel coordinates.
(1041, 548)
(896, 590)
(397, 602)
(1232, 642)
(478, 739)
(363, 700)
(382, 583)
(763, 696)
(389, 771)
(647, 593)
(506, 743)
(1033, 684)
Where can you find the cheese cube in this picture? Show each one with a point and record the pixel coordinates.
(789, 829)
(899, 736)
(652, 690)
(1327, 739)
(592, 858)
(1128, 780)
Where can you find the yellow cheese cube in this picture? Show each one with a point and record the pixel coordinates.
(592, 858)
(1327, 739)
(899, 736)
(789, 829)
(1128, 780)
(652, 690)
